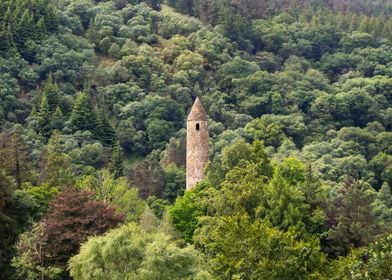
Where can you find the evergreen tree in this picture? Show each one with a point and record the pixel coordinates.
(83, 116)
(105, 131)
(116, 161)
(57, 165)
(355, 224)
(15, 161)
(8, 231)
(24, 31)
(57, 119)
(149, 177)
(51, 90)
(6, 41)
(44, 117)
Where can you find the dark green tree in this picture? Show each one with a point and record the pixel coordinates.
(105, 131)
(355, 224)
(51, 89)
(116, 160)
(83, 115)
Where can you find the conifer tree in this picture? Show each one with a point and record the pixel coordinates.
(355, 222)
(116, 161)
(8, 231)
(83, 116)
(14, 158)
(6, 41)
(57, 166)
(24, 30)
(44, 117)
(105, 131)
(57, 119)
(51, 91)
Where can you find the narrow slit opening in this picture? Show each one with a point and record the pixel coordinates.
(197, 126)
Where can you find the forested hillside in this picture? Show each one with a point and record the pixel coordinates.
(93, 103)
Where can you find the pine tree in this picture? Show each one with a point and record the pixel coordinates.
(6, 41)
(57, 119)
(14, 158)
(116, 161)
(83, 116)
(23, 30)
(57, 166)
(355, 222)
(105, 131)
(8, 229)
(51, 90)
(44, 116)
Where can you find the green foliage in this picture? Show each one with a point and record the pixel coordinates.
(8, 224)
(116, 161)
(175, 182)
(243, 249)
(104, 130)
(36, 199)
(114, 191)
(353, 229)
(371, 262)
(185, 212)
(83, 115)
(87, 86)
(29, 263)
(23, 21)
(57, 168)
(131, 253)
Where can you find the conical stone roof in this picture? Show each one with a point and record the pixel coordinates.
(197, 112)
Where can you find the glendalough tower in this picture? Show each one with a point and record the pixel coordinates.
(196, 144)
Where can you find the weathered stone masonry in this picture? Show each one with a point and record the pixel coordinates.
(196, 144)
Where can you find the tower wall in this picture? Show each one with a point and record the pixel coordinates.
(196, 151)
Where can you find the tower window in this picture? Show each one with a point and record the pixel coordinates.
(197, 126)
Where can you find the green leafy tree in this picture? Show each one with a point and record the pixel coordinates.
(43, 117)
(240, 248)
(175, 182)
(7, 44)
(114, 191)
(129, 252)
(28, 262)
(51, 90)
(185, 212)
(371, 262)
(270, 133)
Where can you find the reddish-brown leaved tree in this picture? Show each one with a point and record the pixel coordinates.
(71, 219)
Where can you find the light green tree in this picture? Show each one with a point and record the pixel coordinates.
(114, 191)
(129, 252)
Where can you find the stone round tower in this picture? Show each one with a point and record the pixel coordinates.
(196, 144)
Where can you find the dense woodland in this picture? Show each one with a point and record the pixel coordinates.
(93, 103)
